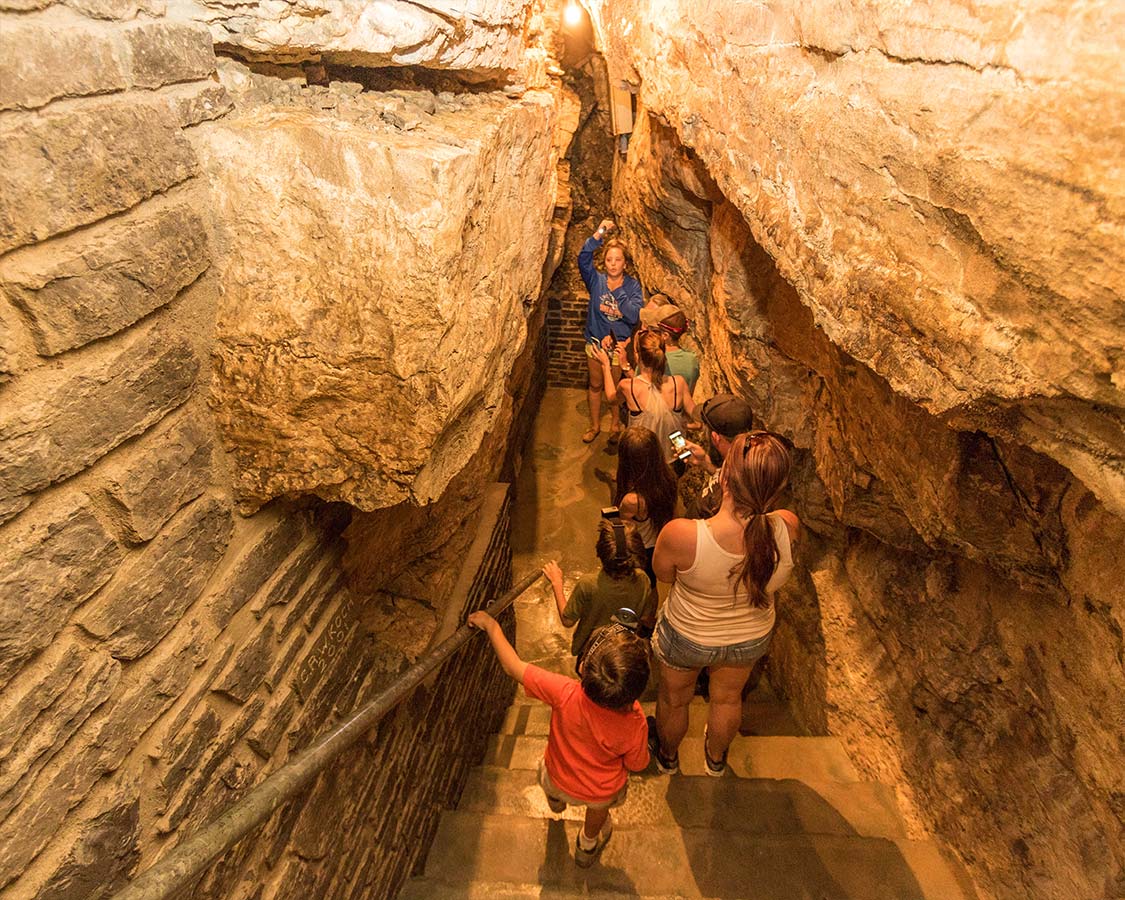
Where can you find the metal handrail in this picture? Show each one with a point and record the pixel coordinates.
(190, 858)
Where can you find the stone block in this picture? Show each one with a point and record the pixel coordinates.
(323, 383)
(291, 576)
(82, 163)
(167, 52)
(489, 42)
(273, 536)
(346, 664)
(52, 563)
(117, 9)
(249, 667)
(279, 671)
(185, 754)
(57, 54)
(100, 281)
(162, 581)
(306, 608)
(93, 753)
(190, 104)
(57, 425)
(171, 470)
(102, 858)
(267, 732)
(24, 5)
(200, 780)
(64, 692)
(330, 643)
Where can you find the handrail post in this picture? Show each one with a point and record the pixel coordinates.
(192, 856)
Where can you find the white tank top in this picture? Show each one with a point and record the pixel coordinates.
(708, 606)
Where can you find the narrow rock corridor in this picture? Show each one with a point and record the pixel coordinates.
(286, 285)
(792, 819)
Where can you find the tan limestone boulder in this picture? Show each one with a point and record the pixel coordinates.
(942, 185)
(484, 37)
(374, 286)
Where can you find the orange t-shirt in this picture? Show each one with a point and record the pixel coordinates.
(589, 747)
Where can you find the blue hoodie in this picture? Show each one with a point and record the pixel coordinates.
(628, 298)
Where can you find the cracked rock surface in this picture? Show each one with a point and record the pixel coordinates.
(942, 185)
(375, 260)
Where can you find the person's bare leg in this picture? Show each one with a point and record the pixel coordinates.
(615, 409)
(595, 819)
(724, 713)
(594, 393)
(672, 699)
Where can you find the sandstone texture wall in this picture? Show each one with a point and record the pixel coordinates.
(941, 185)
(379, 264)
(484, 39)
(900, 239)
(160, 652)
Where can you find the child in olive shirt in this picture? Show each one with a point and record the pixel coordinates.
(598, 595)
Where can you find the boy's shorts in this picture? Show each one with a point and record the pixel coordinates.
(553, 792)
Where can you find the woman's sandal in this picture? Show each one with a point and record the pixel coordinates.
(590, 434)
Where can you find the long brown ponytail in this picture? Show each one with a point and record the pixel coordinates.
(755, 472)
(650, 354)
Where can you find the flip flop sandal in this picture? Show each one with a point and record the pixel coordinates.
(590, 435)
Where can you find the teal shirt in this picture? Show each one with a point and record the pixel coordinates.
(685, 363)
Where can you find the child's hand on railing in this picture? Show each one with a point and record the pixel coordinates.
(554, 573)
(482, 620)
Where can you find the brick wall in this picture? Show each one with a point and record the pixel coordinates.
(363, 826)
(591, 160)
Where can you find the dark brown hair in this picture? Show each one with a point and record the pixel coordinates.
(606, 548)
(755, 472)
(650, 354)
(615, 668)
(641, 469)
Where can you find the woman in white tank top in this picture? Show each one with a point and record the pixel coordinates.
(719, 615)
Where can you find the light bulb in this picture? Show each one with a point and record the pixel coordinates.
(572, 15)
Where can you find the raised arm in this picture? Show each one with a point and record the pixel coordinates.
(555, 576)
(505, 652)
(586, 261)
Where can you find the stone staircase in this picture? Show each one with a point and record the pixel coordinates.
(791, 820)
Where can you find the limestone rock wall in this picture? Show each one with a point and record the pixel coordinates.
(483, 39)
(159, 652)
(942, 186)
(958, 619)
(378, 264)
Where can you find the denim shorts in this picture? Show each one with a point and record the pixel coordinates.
(677, 652)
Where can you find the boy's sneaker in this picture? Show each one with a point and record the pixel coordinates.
(718, 767)
(664, 765)
(585, 858)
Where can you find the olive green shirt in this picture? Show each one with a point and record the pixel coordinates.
(596, 597)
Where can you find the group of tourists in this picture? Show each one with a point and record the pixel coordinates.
(724, 565)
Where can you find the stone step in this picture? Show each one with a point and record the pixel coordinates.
(768, 717)
(812, 760)
(689, 862)
(761, 806)
(425, 889)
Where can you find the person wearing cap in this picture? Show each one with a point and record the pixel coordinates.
(615, 303)
(725, 417)
(677, 360)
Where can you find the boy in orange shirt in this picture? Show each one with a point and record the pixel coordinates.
(598, 732)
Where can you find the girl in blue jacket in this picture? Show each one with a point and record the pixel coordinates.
(615, 305)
